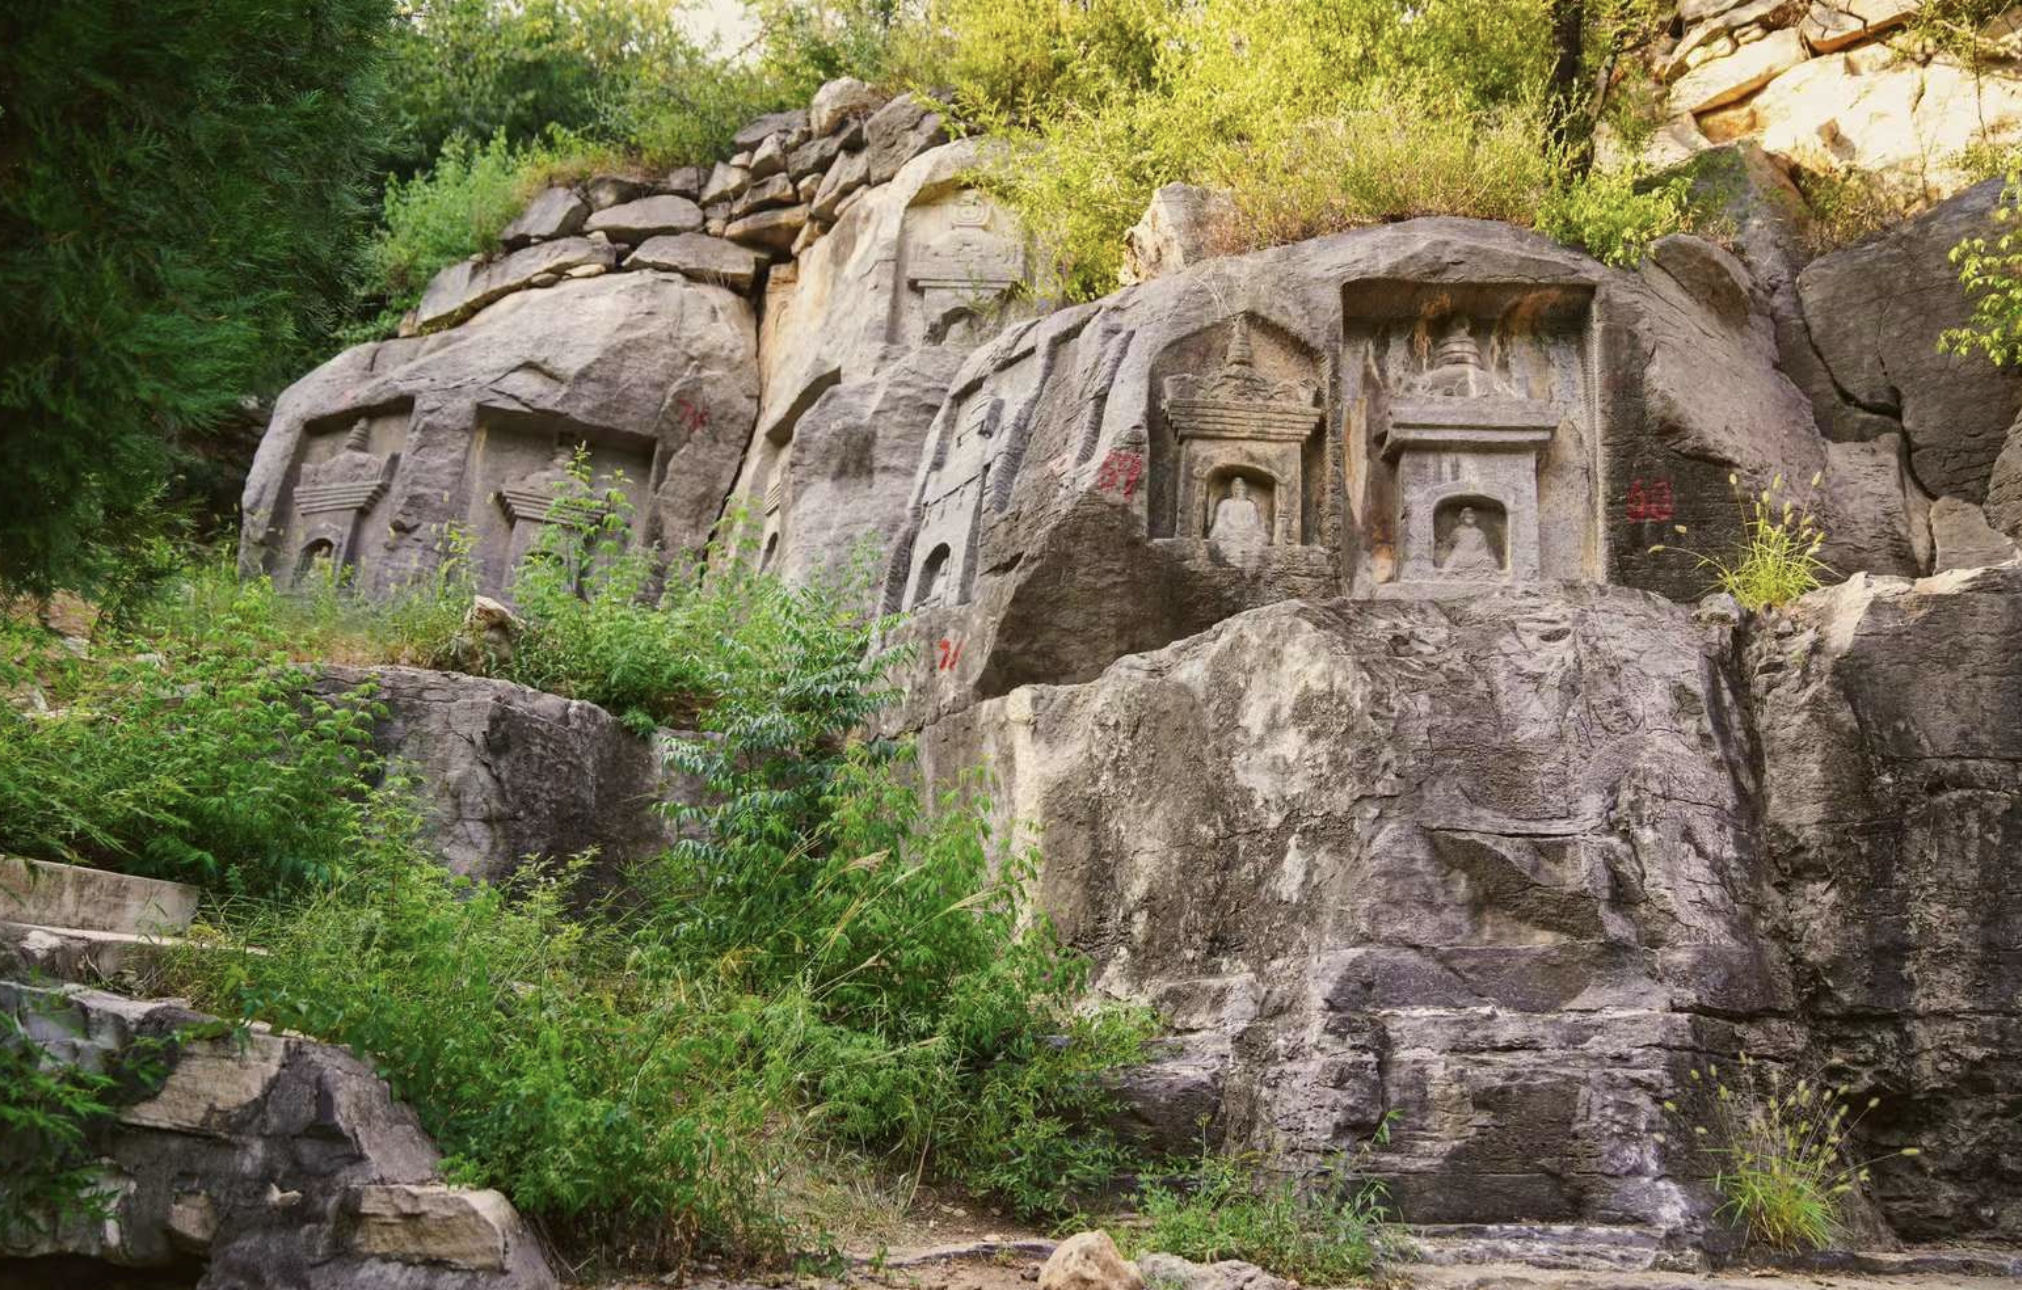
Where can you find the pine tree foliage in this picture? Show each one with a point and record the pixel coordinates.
(180, 187)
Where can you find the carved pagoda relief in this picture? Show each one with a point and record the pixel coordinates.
(1236, 448)
(525, 485)
(951, 504)
(1471, 456)
(960, 258)
(342, 481)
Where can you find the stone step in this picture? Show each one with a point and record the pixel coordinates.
(79, 955)
(44, 894)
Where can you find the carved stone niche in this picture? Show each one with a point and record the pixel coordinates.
(1237, 458)
(960, 256)
(939, 571)
(1472, 456)
(346, 472)
(519, 471)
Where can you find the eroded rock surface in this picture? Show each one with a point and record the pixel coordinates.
(269, 1162)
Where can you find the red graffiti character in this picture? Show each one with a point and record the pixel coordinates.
(951, 653)
(1120, 470)
(1650, 503)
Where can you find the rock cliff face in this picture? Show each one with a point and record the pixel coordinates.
(1305, 605)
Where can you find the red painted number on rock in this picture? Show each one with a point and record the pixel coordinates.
(691, 417)
(1651, 501)
(951, 653)
(1120, 471)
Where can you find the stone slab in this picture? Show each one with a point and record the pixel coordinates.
(98, 900)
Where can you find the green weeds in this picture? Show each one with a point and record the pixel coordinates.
(1778, 557)
(1783, 1147)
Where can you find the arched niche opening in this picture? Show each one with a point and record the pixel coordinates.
(317, 561)
(933, 572)
(1240, 507)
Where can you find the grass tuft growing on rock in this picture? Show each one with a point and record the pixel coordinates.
(1777, 560)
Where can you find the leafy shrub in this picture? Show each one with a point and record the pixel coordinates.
(47, 1111)
(1614, 218)
(203, 762)
(1778, 558)
(828, 963)
(1990, 269)
(181, 199)
(457, 209)
(1784, 1148)
(1846, 204)
(1332, 1233)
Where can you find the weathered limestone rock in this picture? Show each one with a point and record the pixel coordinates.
(686, 181)
(510, 773)
(768, 158)
(898, 132)
(1894, 803)
(1088, 1261)
(557, 212)
(430, 1223)
(466, 287)
(1832, 25)
(1070, 509)
(647, 217)
(774, 230)
(840, 103)
(1875, 312)
(846, 476)
(2004, 487)
(921, 260)
(1869, 108)
(701, 257)
(1176, 232)
(1170, 1272)
(774, 190)
(273, 1164)
(850, 172)
(1483, 862)
(62, 895)
(606, 191)
(792, 124)
(1962, 538)
(1738, 74)
(726, 183)
(813, 158)
(368, 457)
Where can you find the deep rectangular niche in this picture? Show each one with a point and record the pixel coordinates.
(1472, 434)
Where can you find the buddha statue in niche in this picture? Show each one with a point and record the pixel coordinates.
(1469, 552)
(1237, 523)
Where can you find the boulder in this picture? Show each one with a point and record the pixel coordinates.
(2004, 486)
(1178, 229)
(1750, 67)
(1875, 312)
(272, 1161)
(557, 212)
(1484, 863)
(509, 774)
(768, 158)
(1831, 25)
(841, 103)
(1893, 806)
(686, 181)
(396, 440)
(468, 286)
(648, 217)
(793, 125)
(606, 191)
(898, 132)
(774, 230)
(764, 194)
(701, 257)
(1088, 1261)
(814, 156)
(1170, 1272)
(1962, 538)
(726, 183)
(850, 172)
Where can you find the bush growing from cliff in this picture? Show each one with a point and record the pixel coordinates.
(1777, 558)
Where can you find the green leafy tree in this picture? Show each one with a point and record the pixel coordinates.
(180, 188)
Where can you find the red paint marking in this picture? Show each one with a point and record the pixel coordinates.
(1120, 470)
(690, 416)
(951, 653)
(1651, 502)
